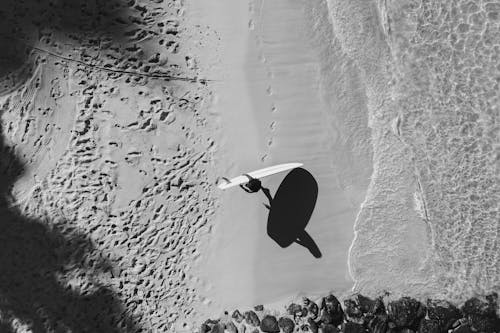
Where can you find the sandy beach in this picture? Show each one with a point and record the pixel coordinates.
(119, 119)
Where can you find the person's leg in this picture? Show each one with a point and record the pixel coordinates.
(268, 195)
(306, 241)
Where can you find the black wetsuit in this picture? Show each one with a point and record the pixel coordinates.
(254, 185)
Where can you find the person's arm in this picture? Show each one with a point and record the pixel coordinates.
(245, 189)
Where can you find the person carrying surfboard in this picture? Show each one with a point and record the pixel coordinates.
(255, 185)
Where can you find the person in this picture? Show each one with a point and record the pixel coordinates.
(255, 185)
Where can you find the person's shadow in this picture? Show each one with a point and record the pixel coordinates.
(291, 208)
(35, 258)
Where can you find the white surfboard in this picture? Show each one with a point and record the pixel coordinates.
(242, 179)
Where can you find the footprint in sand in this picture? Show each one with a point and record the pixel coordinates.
(269, 91)
(272, 126)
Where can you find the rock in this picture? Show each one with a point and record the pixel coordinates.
(481, 315)
(353, 311)
(294, 310)
(269, 324)
(328, 328)
(378, 324)
(237, 316)
(443, 312)
(252, 318)
(350, 327)
(304, 328)
(312, 325)
(231, 327)
(463, 329)
(217, 328)
(406, 312)
(286, 324)
(331, 311)
(429, 326)
(204, 328)
(259, 308)
(312, 308)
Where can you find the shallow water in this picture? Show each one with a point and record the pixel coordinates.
(436, 127)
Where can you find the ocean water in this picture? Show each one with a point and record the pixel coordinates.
(430, 222)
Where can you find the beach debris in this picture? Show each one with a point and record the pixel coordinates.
(269, 324)
(331, 311)
(406, 312)
(252, 318)
(286, 324)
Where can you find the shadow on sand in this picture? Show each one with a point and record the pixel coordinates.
(35, 256)
(291, 209)
(24, 22)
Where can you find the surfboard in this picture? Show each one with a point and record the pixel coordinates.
(242, 179)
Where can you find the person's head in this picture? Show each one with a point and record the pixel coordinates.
(254, 184)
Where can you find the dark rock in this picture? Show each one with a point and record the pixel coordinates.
(361, 309)
(481, 315)
(329, 328)
(378, 324)
(350, 327)
(464, 329)
(406, 312)
(312, 325)
(312, 308)
(217, 328)
(259, 308)
(269, 324)
(208, 325)
(237, 316)
(204, 328)
(294, 310)
(429, 326)
(443, 312)
(252, 318)
(286, 324)
(231, 327)
(331, 311)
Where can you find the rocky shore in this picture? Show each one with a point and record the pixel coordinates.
(360, 314)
